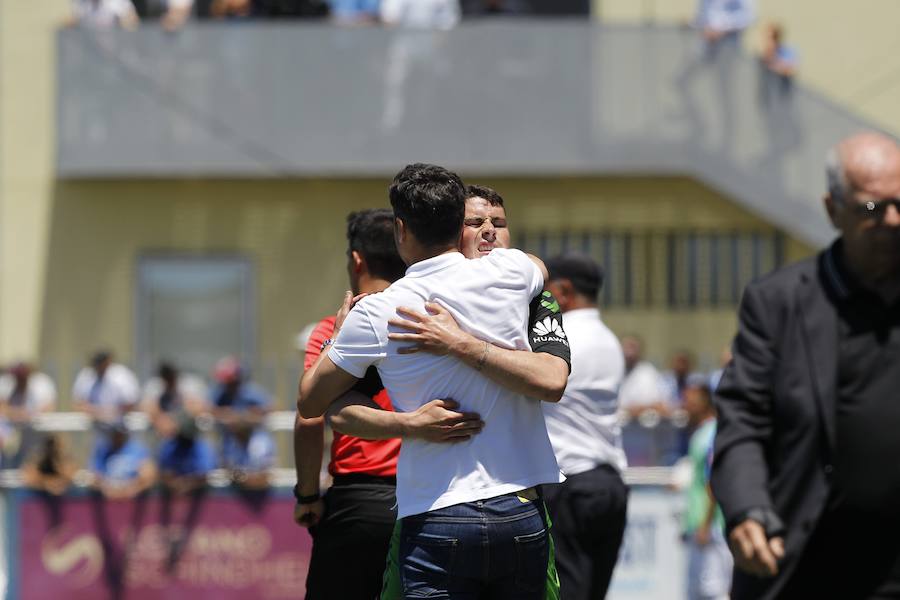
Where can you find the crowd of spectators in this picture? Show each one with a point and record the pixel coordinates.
(184, 415)
(175, 453)
(428, 14)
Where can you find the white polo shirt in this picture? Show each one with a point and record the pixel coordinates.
(489, 298)
(584, 426)
(117, 392)
(40, 392)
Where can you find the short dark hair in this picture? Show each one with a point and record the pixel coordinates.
(431, 201)
(167, 370)
(583, 271)
(701, 384)
(483, 191)
(371, 233)
(101, 356)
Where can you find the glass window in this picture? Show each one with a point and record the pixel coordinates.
(676, 269)
(193, 310)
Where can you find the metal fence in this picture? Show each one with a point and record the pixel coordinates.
(652, 444)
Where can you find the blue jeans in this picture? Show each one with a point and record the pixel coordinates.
(495, 549)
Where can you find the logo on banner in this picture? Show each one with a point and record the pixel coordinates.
(80, 557)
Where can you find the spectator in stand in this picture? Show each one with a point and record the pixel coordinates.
(494, 7)
(240, 407)
(105, 390)
(722, 22)
(49, 472)
(123, 468)
(233, 9)
(421, 14)
(185, 461)
(103, 14)
(170, 393)
(675, 381)
(24, 394)
(709, 560)
(251, 9)
(642, 388)
(249, 457)
(51, 469)
(779, 58)
(175, 13)
(779, 65)
(355, 12)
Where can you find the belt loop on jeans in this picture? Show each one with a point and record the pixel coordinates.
(356, 478)
(533, 493)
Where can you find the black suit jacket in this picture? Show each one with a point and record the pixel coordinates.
(776, 411)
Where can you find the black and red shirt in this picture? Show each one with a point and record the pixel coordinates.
(351, 454)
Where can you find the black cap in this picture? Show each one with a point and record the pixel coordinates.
(100, 357)
(583, 271)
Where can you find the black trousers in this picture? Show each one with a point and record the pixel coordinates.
(851, 557)
(350, 543)
(588, 511)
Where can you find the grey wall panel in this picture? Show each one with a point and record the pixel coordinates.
(514, 97)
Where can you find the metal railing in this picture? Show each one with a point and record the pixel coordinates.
(283, 422)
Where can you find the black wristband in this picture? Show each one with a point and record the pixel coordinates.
(301, 499)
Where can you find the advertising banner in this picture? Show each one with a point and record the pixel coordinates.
(218, 546)
(652, 562)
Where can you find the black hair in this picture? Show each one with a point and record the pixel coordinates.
(483, 191)
(431, 201)
(583, 271)
(167, 371)
(371, 233)
(101, 356)
(701, 384)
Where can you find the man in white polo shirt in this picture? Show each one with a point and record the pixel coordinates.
(471, 504)
(588, 509)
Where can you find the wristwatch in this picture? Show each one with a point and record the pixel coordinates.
(301, 499)
(770, 521)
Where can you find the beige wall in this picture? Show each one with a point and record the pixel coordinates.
(848, 50)
(26, 165)
(293, 232)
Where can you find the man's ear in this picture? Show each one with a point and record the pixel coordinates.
(400, 232)
(833, 210)
(357, 261)
(565, 291)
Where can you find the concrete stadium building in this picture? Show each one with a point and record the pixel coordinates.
(183, 196)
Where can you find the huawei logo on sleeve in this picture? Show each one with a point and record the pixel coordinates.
(548, 330)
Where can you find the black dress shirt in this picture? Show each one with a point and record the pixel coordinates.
(867, 458)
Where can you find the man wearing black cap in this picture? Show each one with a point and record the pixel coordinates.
(588, 509)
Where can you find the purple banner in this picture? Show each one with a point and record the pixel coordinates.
(218, 547)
